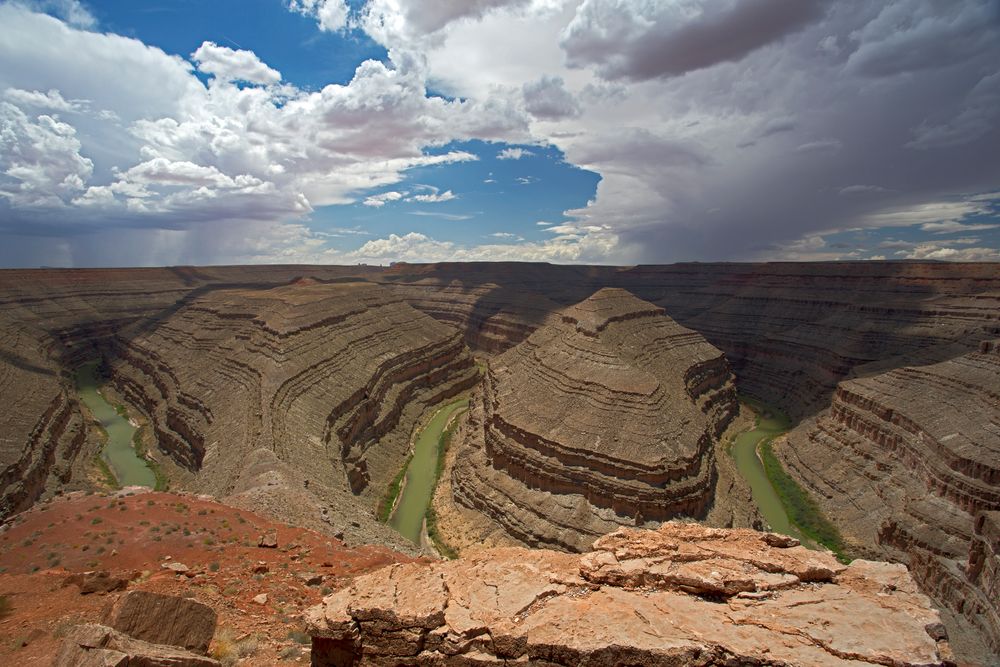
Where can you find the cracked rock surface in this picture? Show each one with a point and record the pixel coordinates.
(681, 595)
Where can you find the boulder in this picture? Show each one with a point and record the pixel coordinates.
(268, 540)
(100, 646)
(163, 619)
(100, 581)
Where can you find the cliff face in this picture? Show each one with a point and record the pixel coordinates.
(791, 331)
(308, 385)
(682, 595)
(908, 464)
(41, 427)
(607, 416)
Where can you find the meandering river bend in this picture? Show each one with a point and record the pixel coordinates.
(127, 466)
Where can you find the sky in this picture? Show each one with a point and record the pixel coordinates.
(569, 131)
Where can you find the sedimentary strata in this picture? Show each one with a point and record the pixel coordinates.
(607, 416)
(683, 594)
(908, 464)
(53, 320)
(306, 388)
(791, 331)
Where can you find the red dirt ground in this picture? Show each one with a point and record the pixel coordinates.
(136, 531)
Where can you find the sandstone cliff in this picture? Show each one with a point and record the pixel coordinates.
(607, 416)
(682, 595)
(908, 464)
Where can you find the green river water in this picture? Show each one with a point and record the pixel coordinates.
(770, 423)
(421, 475)
(128, 468)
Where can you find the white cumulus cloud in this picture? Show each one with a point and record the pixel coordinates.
(233, 65)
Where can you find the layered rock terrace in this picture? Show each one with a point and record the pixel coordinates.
(608, 415)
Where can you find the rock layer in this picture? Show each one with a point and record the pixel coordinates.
(791, 331)
(683, 594)
(607, 416)
(908, 464)
(307, 386)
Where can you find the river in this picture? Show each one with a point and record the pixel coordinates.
(770, 423)
(128, 468)
(421, 475)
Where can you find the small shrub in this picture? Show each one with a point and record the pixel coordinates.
(299, 637)
(214, 567)
(290, 653)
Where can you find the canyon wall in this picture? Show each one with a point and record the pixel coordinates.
(52, 320)
(608, 415)
(791, 331)
(305, 389)
(907, 463)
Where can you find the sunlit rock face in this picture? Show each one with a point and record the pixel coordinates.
(606, 416)
(681, 595)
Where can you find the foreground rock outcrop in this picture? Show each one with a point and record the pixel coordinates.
(681, 595)
(147, 629)
(908, 464)
(608, 416)
(92, 645)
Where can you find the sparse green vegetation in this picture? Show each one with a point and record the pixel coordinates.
(299, 637)
(105, 470)
(802, 509)
(433, 531)
(228, 650)
(389, 499)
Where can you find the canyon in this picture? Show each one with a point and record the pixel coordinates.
(294, 390)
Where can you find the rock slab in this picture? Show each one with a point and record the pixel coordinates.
(164, 619)
(93, 645)
(683, 594)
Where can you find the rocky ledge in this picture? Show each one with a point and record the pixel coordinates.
(607, 416)
(681, 595)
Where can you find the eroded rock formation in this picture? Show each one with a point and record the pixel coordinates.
(908, 464)
(681, 595)
(308, 386)
(607, 416)
(790, 330)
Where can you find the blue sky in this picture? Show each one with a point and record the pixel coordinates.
(287, 41)
(496, 199)
(335, 131)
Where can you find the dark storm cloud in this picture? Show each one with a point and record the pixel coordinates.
(919, 35)
(625, 40)
(865, 139)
